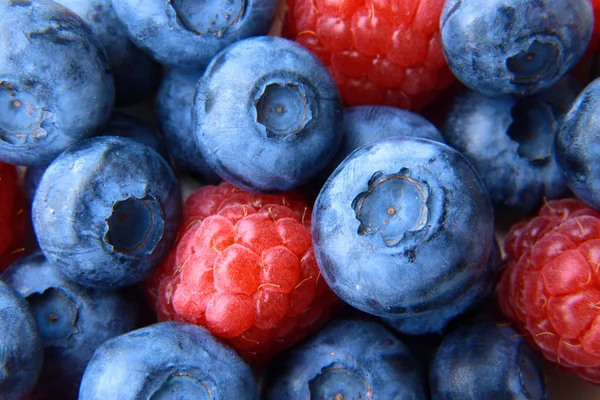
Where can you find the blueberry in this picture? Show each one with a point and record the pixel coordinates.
(188, 34)
(21, 347)
(73, 321)
(510, 142)
(578, 146)
(107, 210)
(349, 359)
(514, 46)
(402, 227)
(174, 102)
(267, 115)
(486, 360)
(120, 124)
(136, 75)
(55, 84)
(369, 123)
(473, 298)
(167, 361)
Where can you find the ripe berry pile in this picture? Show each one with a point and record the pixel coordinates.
(351, 160)
(244, 267)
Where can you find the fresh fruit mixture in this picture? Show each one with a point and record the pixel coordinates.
(299, 199)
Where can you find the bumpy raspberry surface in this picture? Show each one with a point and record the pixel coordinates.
(551, 286)
(12, 216)
(595, 42)
(378, 51)
(243, 266)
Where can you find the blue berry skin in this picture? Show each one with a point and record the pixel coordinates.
(474, 297)
(514, 47)
(188, 34)
(174, 102)
(135, 74)
(21, 346)
(73, 321)
(578, 146)
(510, 142)
(55, 82)
(107, 210)
(349, 359)
(402, 227)
(267, 115)
(167, 361)
(486, 360)
(120, 124)
(369, 123)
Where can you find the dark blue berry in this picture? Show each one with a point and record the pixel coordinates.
(167, 361)
(55, 82)
(486, 360)
(73, 321)
(403, 227)
(107, 210)
(514, 46)
(174, 102)
(348, 359)
(20, 346)
(578, 146)
(267, 115)
(510, 142)
(188, 34)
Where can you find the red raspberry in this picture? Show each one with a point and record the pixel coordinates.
(595, 42)
(12, 216)
(378, 51)
(243, 267)
(551, 286)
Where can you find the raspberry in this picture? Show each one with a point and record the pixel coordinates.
(12, 216)
(378, 51)
(243, 266)
(551, 285)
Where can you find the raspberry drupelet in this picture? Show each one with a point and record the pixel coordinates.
(378, 51)
(12, 216)
(243, 266)
(551, 285)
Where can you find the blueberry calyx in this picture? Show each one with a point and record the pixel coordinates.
(393, 205)
(336, 381)
(282, 108)
(21, 115)
(181, 384)
(135, 226)
(56, 316)
(539, 63)
(208, 17)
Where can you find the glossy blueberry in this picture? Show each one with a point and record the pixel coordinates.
(514, 46)
(73, 321)
(167, 361)
(55, 82)
(578, 146)
(188, 34)
(510, 142)
(267, 115)
(472, 298)
(486, 360)
(107, 210)
(120, 124)
(402, 227)
(20, 346)
(174, 102)
(136, 75)
(349, 359)
(366, 124)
